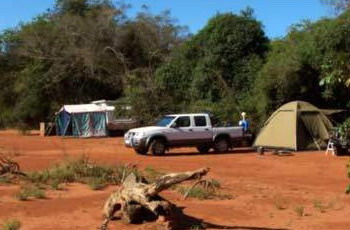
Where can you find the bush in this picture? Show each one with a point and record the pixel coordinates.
(5, 179)
(206, 189)
(96, 183)
(11, 224)
(30, 191)
(23, 128)
(197, 192)
(300, 211)
(22, 195)
(81, 170)
(151, 174)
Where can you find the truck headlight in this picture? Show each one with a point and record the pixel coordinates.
(140, 134)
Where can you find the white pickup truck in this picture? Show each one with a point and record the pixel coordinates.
(184, 130)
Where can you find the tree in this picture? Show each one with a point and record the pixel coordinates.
(311, 53)
(82, 50)
(337, 5)
(219, 62)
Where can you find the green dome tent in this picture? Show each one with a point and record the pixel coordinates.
(297, 125)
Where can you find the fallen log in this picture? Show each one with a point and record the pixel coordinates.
(9, 166)
(137, 201)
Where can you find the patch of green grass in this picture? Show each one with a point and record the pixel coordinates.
(347, 191)
(5, 179)
(197, 192)
(319, 206)
(205, 189)
(80, 170)
(196, 227)
(55, 185)
(11, 224)
(279, 203)
(151, 174)
(96, 183)
(22, 195)
(38, 193)
(300, 211)
(30, 191)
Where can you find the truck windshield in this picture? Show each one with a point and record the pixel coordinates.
(165, 121)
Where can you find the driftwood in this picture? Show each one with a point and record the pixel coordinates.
(137, 201)
(9, 166)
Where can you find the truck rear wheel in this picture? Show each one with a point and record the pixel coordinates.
(203, 149)
(158, 147)
(221, 145)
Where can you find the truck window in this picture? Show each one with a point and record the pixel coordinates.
(165, 121)
(200, 121)
(183, 122)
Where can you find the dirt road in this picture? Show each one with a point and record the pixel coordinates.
(303, 191)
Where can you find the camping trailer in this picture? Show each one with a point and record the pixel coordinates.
(84, 120)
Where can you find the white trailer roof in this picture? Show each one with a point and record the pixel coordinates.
(85, 108)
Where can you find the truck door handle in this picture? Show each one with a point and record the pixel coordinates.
(190, 129)
(206, 129)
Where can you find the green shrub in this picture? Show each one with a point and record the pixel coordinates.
(151, 174)
(11, 224)
(5, 180)
(23, 128)
(38, 193)
(300, 211)
(96, 183)
(55, 185)
(197, 192)
(23, 194)
(30, 191)
(347, 191)
(81, 170)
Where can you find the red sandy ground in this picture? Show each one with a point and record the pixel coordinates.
(267, 190)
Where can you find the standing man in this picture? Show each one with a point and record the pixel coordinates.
(244, 123)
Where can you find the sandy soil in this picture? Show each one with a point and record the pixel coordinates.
(303, 191)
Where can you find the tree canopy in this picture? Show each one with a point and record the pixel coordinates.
(84, 50)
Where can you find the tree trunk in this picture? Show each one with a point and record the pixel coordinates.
(136, 201)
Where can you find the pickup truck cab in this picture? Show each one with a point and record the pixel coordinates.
(184, 130)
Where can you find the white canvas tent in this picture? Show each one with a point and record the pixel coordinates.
(84, 120)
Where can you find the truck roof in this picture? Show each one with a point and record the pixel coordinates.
(188, 114)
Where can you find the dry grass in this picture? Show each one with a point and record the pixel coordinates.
(11, 224)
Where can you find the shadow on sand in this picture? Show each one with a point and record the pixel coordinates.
(234, 151)
(183, 221)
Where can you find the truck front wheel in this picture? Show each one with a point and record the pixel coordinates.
(221, 145)
(141, 151)
(158, 147)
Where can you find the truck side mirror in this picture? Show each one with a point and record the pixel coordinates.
(173, 125)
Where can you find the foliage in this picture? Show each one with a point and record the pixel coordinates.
(347, 191)
(5, 179)
(81, 170)
(300, 211)
(81, 50)
(344, 130)
(206, 189)
(337, 5)
(310, 64)
(151, 175)
(28, 191)
(216, 67)
(96, 183)
(11, 224)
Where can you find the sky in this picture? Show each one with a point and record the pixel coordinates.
(276, 15)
